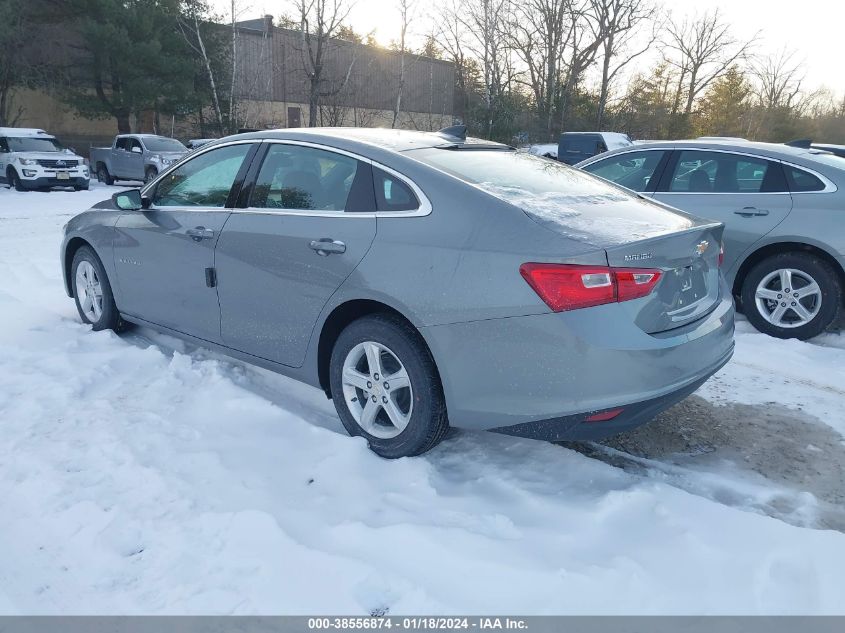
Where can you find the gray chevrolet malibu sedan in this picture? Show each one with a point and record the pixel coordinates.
(421, 280)
(784, 214)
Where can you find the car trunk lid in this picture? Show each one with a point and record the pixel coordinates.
(689, 285)
(637, 233)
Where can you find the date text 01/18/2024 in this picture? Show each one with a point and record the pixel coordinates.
(416, 623)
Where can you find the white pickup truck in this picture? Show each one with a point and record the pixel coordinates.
(32, 159)
(135, 157)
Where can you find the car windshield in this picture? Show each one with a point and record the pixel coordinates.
(34, 144)
(161, 144)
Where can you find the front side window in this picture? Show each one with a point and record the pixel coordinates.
(634, 170)
(802, 181)
(135, 145)
(723, 172)
(392, 194)
(305, 178)
(123, 144)
(204, 181)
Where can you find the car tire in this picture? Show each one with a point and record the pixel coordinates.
(150, 174)
(776, 312)
(103, 175)
(81, 187)
(92, 292)
(415, 398)
(14, 180)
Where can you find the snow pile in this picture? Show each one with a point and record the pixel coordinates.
(138, 475)
(805, 376)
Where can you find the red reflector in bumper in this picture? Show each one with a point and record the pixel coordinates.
(604, 416)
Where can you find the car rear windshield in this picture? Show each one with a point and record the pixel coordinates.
(515, 170)
(34, 144)
(831, 160)
(164, 145)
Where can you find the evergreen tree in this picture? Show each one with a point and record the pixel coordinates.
(725, 109)
(132, 59)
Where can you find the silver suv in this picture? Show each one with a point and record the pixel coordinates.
(784, 214)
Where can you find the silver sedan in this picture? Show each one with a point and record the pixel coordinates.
(784, 213)
(421, 280)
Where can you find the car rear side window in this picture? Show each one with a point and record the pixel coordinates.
(802, 181)
(4, 146)
(725, 172)
(392, 194)
(633, 170)
(203, 181)
(296, 177)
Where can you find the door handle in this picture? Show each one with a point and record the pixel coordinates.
(748, 212)
(200, 233)
(326, 246)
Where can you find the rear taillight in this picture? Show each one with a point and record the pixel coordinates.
(570, 287)
(721, 254)
(633, 283)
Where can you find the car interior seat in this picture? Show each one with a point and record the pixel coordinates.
(699, 181)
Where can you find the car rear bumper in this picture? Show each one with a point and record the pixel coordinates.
(542, 375)
(578, 427)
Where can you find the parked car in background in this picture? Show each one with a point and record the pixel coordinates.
(196, 143)
(501, 290)
(135, 157)
(32, 159)
(573, 147)
(839, 150)
(784, 214)
(546, 150)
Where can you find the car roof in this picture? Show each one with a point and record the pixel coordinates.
(771, 150)
(23, 131)
(394, 140)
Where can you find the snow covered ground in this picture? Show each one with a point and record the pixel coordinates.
(140, 475)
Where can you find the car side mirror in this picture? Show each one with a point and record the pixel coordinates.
(130, 200)
(136, 150)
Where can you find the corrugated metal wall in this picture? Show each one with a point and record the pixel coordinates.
(272, 67)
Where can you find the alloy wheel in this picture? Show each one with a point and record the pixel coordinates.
(377, 390)
(788, 298)
(89, 291)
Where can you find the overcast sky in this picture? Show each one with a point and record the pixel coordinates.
(814, 28)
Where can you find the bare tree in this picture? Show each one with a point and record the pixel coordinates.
(450, 36)
(189, 25)
(479, 23)
(406, 12)
(538, 31)
(319, 22)
(702, 48)
(623, 19)
(589, 28)
(779, 78)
